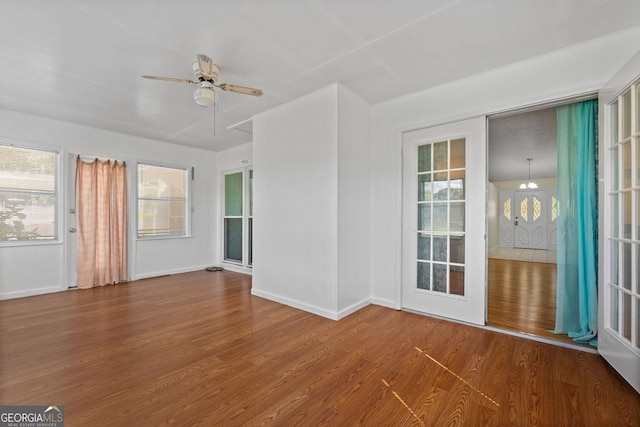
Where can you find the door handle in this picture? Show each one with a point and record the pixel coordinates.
(516, 223)
(72, 230)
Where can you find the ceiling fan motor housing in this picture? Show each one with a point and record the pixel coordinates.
(215, 73)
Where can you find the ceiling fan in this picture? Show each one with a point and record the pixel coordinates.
(206, 76)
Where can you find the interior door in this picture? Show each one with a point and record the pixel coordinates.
(531, 219)
(444, 216)
(619, 280)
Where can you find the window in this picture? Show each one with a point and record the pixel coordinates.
(441, 215)
(238, 217)
(506, 210)
(163, 201)
(28, 196)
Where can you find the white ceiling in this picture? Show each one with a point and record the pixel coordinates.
(81, 61)
(515, 138)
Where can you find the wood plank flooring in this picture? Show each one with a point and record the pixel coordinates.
(521, 297)
(198, 349)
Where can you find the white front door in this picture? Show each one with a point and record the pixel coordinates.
(443, 227)
(619, 283)
(531, 219)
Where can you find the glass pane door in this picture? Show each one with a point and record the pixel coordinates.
(622, 293)
(619, 287)
(443, 226)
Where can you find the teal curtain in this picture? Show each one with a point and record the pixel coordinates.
(577, 226)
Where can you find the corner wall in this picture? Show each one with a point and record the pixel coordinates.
(354, 135)
(295, 156)
(311, 199)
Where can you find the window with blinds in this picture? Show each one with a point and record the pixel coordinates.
(163, 201)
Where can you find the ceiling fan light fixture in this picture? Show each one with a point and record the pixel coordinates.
(204, 96)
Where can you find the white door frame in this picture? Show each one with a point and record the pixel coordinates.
(70, 224)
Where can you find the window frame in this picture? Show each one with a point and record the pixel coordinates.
(57, 192)
(188, 176)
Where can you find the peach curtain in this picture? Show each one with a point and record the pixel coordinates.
(101, 211)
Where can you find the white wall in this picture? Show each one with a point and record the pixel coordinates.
(311, 199)
(564, 73)
(295, 222)
(354, 134)
(28, 270)
(235, 158)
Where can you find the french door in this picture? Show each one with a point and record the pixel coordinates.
(443, 227)
(619, 289)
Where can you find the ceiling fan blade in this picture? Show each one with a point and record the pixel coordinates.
(170, 79)
(240, 89)
(206, 66)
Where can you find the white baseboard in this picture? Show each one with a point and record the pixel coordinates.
(385, 303)
(29, 293)
(333, 315)
(353, 308)
(236, 268)
(169, 272)
(329, 314)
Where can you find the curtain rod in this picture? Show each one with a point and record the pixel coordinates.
(88, 159)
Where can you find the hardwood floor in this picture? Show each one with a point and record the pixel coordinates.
(521, 297)
(198, 349)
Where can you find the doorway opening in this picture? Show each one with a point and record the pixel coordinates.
(521, 217)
